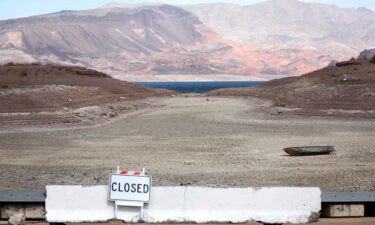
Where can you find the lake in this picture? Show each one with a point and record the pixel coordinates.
(199, 87)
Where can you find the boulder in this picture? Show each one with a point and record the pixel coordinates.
(367, 54)
(17, 219)
(332, 63)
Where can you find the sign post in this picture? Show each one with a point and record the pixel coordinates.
(128, 188)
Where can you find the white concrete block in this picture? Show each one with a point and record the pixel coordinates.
(77, 204)
(238, 205)
(167, 204)
(188, 204)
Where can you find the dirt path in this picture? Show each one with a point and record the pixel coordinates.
(194, 141)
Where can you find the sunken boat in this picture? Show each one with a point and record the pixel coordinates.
(310, 150)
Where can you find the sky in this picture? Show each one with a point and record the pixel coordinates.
(23, 8)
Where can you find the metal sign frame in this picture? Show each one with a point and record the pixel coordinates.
(109, 189)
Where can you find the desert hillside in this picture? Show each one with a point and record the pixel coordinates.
(348, 87)
(67, 94)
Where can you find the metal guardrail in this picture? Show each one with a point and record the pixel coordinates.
(347, 197)
(327, 197)
(22, 196)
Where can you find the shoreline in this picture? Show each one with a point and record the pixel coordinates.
(264, 111)
(196, 77)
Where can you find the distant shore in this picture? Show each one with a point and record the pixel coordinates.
(196, 77)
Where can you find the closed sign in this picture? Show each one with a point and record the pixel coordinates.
(129, 188)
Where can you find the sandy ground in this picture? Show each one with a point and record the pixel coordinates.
(208, 141)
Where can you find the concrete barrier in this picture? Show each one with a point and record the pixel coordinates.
(188, 204)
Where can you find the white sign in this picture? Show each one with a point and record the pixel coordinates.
(129, 188)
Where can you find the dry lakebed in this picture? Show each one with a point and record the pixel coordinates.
(194, 140)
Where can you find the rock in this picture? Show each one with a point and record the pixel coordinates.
(367, 54)
(17, 219)
(112, 114)
(350, 79)
(332, 63)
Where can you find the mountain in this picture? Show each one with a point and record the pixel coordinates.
(141, 40)
(311, 32)
(73, 36)
(290, 22)
(132, 41)
(138, 42)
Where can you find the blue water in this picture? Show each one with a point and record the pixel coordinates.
(199, 87)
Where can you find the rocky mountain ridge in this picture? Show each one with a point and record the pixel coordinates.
(284, 37)
(160, 39)
(308, 33)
